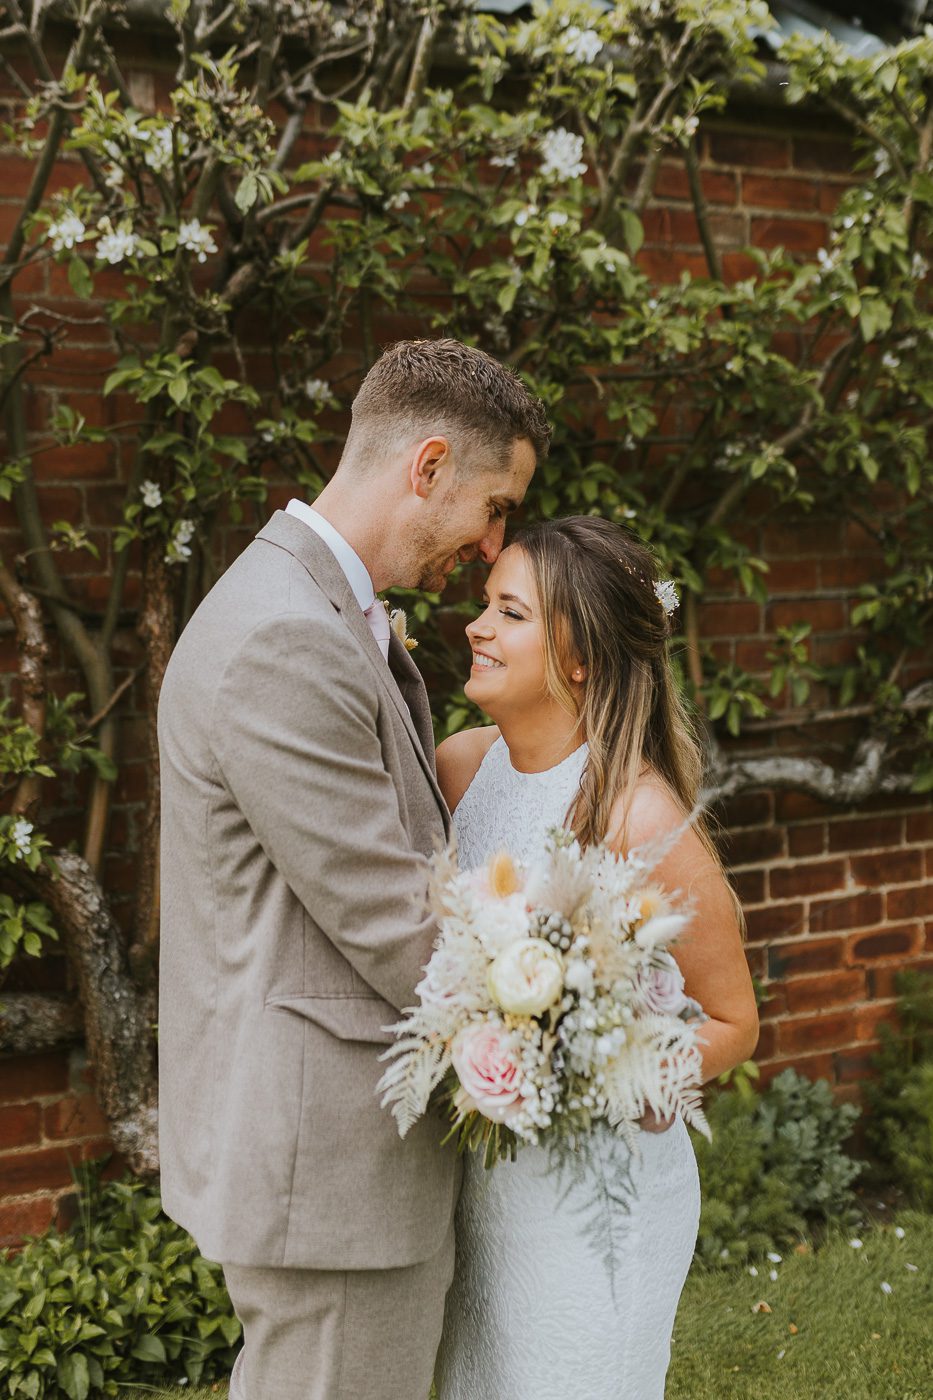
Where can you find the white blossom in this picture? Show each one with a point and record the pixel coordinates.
(116, 244)
(399, 200)
(21, 836)
(318, 390)
(561, 150)
(66, 232)
(197, 239)
(919, 267)
(151, 494)
(523, 215)
(159, 148)
(505, 162)
(557, 218)
(890, 360)
(425, 171)
(582, 44)
(179, 548)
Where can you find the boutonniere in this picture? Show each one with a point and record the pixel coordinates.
(398, 621)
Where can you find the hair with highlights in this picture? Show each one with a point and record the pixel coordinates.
(595, 585)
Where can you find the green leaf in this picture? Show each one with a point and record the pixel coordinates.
(633, 231)
(247, 192)
(149, 1348)
(178, 389)
(79, 276)
(73, 1376)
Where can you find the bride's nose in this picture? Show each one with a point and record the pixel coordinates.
(481, 626)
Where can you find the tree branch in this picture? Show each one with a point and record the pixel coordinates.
(30, 1024)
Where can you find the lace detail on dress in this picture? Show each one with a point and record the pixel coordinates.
(533, 1314)
(505, 808)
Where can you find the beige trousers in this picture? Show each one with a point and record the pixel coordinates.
(311, 1334)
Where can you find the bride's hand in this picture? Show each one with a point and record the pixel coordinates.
(649, 1122)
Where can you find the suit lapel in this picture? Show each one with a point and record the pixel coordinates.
(292, 535)
(410, 683)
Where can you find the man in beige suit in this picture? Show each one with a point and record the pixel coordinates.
(300, 808)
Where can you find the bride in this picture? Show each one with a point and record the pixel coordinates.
(572, 1291)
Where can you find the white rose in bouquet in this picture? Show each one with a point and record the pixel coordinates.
(501, 922)
(527, 977)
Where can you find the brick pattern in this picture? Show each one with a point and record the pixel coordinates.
(836, 902)
(49, 1124)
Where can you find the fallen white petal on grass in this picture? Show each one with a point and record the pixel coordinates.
(772, 1275)
(911, 1268)
(899, 1232)
(753, 1271)
(775, 1258)
(886, 1288)
(856, 1244)
(781, 1354)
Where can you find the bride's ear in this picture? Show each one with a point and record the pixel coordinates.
(578, 673)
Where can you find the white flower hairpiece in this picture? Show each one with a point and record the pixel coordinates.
(666, 594)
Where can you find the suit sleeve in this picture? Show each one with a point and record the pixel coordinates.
(294, 732)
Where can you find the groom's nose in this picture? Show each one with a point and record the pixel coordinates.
(490, 546)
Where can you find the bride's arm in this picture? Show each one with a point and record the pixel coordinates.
(458, 759)
(709, 952)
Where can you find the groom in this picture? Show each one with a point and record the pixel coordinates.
(299, 809)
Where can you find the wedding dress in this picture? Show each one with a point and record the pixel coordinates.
(562, 1289)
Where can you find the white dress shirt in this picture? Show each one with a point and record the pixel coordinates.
(346, 556)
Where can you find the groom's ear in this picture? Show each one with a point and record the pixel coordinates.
(427, 465)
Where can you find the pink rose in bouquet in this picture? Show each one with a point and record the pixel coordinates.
(488, 1071)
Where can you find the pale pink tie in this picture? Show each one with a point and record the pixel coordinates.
(378, 619)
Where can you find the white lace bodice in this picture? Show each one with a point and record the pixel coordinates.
(505, 809)
(535, 1312)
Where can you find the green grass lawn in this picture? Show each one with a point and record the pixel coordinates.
(851, 1340)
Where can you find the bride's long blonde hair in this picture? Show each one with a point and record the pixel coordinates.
(595, 585)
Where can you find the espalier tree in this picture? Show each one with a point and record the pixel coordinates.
(502, 206)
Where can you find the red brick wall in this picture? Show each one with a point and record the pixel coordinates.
(836, 900)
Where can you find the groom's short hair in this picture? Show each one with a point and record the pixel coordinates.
(420, 387)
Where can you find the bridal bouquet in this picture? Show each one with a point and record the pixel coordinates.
(551, 1002)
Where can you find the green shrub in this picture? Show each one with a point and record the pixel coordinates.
(124, 1296)
(776, 1163)
(900, 1100)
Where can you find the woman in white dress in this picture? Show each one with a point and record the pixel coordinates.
(568, 1287)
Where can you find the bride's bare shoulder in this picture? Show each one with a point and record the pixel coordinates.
(459, 758)
(650, 812)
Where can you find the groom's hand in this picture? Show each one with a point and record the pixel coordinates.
(651, 1123)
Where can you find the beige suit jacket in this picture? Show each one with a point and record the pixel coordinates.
(299, 809)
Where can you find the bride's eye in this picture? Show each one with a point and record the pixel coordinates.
(508, 612)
